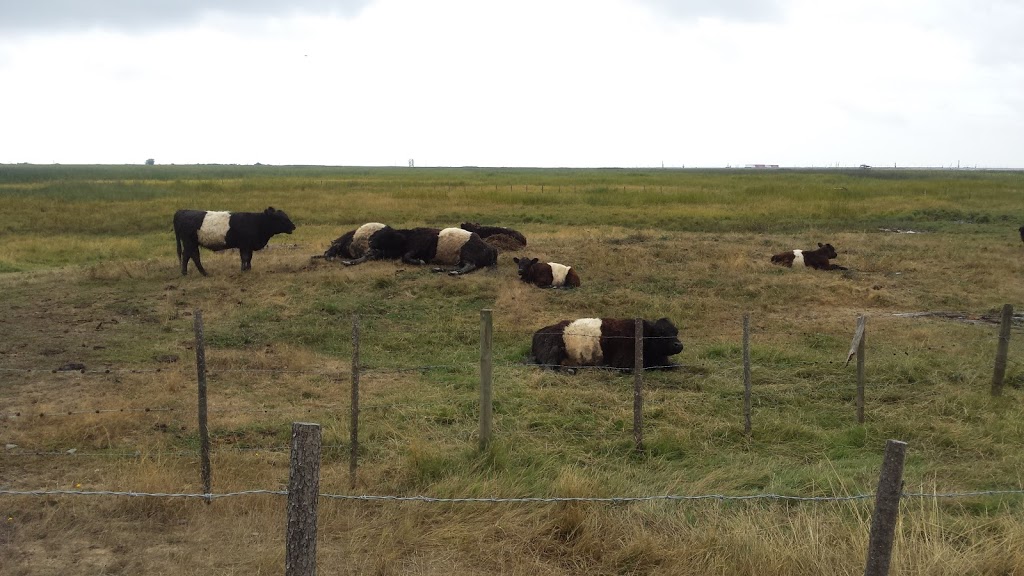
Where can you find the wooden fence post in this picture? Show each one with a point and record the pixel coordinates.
(1005, 322)
(638, 383)
(887, 507)
(746, 374)
(857, 347)
(486, 367)
(353, 459)
(303, 493)
(205, 471)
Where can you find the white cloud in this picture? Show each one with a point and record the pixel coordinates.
(531, 83)
(139, 17)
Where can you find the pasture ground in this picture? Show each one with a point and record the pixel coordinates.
(88, 275)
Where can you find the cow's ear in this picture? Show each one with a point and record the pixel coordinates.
(515, 259)
(534, 261)
(820, 245)
(269, 210)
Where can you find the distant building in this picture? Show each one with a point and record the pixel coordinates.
(762, 166)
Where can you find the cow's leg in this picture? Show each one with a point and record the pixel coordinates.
(246, 258)
(371, 254)
(192, 253)
(464, 269)
(409, 258)
(183, 261)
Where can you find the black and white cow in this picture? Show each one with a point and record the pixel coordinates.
(451, 247)
(247, 231)
(817, 259)
(605, 342)
(497, 236)
(545, 274)
(371, 241)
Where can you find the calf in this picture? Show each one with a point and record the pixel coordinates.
(497, 236)
(546, 274)
(605, 342)
(817, 259)
(247, 231)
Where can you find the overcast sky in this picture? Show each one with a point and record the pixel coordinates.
(579, 83)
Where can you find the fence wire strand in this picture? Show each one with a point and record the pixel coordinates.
(521, 500)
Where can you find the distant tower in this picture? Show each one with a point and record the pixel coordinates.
(411, 163)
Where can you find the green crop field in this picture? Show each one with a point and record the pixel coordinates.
(90, 279)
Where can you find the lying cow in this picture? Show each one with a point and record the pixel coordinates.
(817, 259)
(545, 274)
(497, 236)
(605, 342)
(371, 241)
(247, 231)
(451, 246)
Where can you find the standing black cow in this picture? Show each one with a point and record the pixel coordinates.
(247, 231)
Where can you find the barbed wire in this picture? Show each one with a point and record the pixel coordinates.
(63, 370)
(210, 371)
(372, 368)
(26, 414)
(519, 500)
(75, 452)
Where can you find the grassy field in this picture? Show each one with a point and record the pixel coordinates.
(88, 274)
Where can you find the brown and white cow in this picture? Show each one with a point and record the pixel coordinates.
(817, 259)
(547, 274)
(605, 342)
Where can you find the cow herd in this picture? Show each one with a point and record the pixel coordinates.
(581, 342)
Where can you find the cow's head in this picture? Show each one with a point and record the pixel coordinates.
(524, 265)
(664, 338)
(828, 250)
(279, 221)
